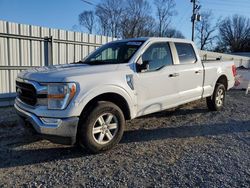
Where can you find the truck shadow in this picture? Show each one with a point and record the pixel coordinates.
(11, 156)
(144, 135)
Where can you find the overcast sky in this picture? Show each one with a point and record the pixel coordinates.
(63, 14)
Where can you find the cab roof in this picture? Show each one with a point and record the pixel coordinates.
(155, 39)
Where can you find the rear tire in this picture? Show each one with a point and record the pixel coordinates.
(217, 100)
(102, 129)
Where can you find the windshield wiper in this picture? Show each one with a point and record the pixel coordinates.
(78, 62)
(97, 62)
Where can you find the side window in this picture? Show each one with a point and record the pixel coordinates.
(157, 56)
(186, 53)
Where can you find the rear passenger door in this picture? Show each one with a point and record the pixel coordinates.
(190, 73)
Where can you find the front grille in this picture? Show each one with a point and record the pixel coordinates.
(26, 93)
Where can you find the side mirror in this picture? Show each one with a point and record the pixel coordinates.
(142, 66)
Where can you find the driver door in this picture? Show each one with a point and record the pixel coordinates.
(156, 85)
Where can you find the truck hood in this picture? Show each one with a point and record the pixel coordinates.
(59, 73)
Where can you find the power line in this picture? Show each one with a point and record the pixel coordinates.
(220, 10)
(230, 6)
(89, 3)
(227, 6)
(241, 3)
(93, 4)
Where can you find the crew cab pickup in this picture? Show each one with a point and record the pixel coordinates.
(88, 102)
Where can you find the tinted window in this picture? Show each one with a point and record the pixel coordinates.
(157, 55)
(186, 53)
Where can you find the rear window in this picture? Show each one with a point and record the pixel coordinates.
(186, 53)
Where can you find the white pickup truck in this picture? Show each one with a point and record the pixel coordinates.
(89, 101)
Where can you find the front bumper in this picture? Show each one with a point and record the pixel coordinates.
(64, 132)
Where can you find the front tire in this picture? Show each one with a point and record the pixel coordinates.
(217, 100)
(103, 128)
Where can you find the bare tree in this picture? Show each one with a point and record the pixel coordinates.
(164, 12)
(173, 33)
(110, 13)
(103, 22)
(133, 18)
(87, 20)
(76, 28)
(137, 20)
(205, 30)
(234, 34)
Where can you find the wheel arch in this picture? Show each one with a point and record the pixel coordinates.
(223, 80)
(113, 97)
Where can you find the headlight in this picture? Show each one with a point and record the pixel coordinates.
(60, 94)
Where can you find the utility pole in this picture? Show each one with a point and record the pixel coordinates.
(195, 16)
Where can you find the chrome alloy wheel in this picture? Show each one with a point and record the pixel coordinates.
(105, 128)
(219, 97)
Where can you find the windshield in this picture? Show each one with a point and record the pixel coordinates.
(114, 53)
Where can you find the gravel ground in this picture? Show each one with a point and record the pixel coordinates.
(184, 147)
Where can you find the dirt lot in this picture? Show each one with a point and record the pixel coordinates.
(186, 147)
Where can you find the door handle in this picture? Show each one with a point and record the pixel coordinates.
(198, 71)
(174, 75)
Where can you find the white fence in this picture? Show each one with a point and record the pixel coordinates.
(25, 46)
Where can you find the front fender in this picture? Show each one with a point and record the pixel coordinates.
(129, 96)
